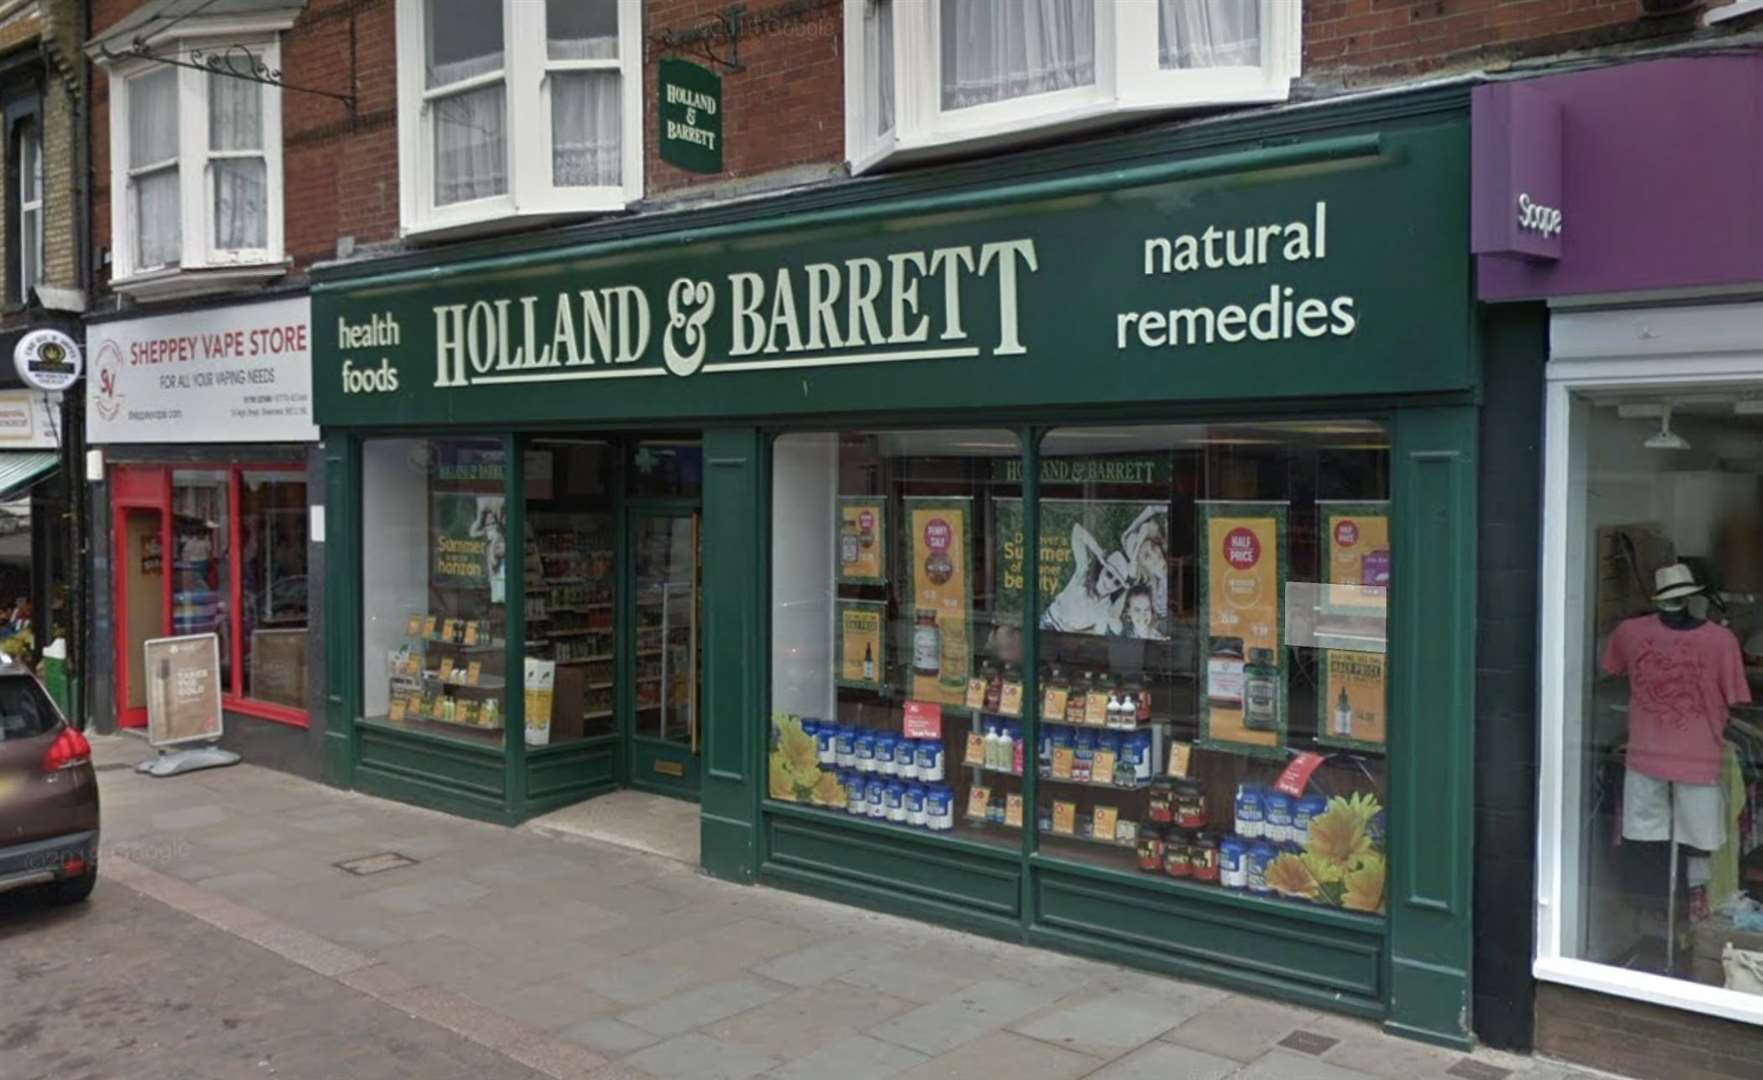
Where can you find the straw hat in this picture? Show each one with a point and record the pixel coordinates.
(1674, 582)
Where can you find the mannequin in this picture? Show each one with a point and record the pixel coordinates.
(1684, 675)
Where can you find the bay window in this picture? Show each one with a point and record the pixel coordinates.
(196, 171)
(515, 109)
(926, 74)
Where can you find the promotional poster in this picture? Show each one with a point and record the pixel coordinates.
(1242, 581)
(1104, 566)
(861, 664)
(1356, 555)
(937, 551)
(862, 531)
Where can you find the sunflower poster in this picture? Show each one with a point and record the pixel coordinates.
(1342, 864)
(794, 773)
(1242, 601)
(862, 537)
(937, 538)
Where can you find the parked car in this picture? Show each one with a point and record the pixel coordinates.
(48, 794)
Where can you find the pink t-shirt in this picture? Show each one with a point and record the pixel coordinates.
(1680, 685)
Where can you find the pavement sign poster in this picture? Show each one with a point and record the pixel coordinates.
(937, 532)
(860, 663)
(239, 373)
(1242, 576)
(1104, 566)
(862, 532)
(691, 116)
(183, 689)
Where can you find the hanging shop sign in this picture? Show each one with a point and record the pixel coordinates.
(47, 360)
(232, 374)
(1242, 576)
(939, 533)
(691, 116)
(1201, 288)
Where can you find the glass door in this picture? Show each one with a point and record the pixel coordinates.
(665, 663)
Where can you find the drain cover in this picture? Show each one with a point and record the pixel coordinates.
(375, 864)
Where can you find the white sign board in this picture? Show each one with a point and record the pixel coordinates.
(28, 420)
(231, 374)
(47, 360)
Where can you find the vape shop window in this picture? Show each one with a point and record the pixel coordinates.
(273, 585)
(1214, 691)
(897, 680)
(1661, 844)
(435, 587)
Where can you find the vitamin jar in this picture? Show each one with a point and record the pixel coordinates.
(1233, 862)
(1203, 855)
(1177, 860)
(1190, 804)
(1161, 809)
(1151, 850)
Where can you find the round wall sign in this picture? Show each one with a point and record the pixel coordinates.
(47, 360)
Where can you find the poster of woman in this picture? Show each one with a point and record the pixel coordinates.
(1104, 566)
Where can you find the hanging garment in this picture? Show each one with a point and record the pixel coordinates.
(1682, 684)
(1723, 880)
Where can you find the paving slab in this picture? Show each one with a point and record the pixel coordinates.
(858, 1057)
(961, 1017)
(1106, 1025)
(1004, 1054)
(700, 1057)
(702, 1005)
(1167, 1061)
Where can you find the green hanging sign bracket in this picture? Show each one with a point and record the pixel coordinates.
(691, 116)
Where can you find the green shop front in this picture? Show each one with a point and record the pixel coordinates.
(1076, 550)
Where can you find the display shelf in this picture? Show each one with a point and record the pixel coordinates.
(599, 714)
(493, 646)
(485, 682)
(1047, 775)
(1121, 845)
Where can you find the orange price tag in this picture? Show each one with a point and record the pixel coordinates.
(1064, 817)
(1096, 708)
(1063, 757)
(976, 749)
(977, 801)
(976, 692)
(1013, 810)
(1010, 700)
(1107, 820)
(1181, 758)
(1102, 767)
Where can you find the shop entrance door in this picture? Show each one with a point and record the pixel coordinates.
(664, 672)
(142, 523)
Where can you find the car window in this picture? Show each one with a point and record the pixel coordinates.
(25, 712)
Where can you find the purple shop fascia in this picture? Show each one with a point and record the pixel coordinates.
(1629, 199)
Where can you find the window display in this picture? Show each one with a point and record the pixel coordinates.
(273, 585)
(1662, 845)
(1209, 698)
(897, 682)
(435, 581)
(571, 571)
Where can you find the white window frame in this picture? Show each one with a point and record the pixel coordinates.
(1129, 79)
(30, 249)
(1708, 346)
(198, 250)
(526, 77)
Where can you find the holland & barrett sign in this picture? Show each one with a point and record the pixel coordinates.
(691, 116)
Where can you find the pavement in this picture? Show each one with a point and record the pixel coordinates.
(249, 923)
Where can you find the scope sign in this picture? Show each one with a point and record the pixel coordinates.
(1542, 220)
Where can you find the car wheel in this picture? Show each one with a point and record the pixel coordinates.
(74, 889)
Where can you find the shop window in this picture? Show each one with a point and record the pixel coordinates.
(1214, 688)
(273, 585)
(512, 108)
(570, 589)
(196, 168)
(666, 468)
(1209, 701)
(435, 587)
(933, 73)
(1658, 795)
(201, 582)
(888, 613)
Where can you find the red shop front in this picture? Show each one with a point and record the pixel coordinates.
(202, 548)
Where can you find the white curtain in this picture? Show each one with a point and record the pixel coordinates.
(241, 184)
(471, 145)
(878, 65)
(153, 140)
(1209, 33)
(994, 50)
(586, 119)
